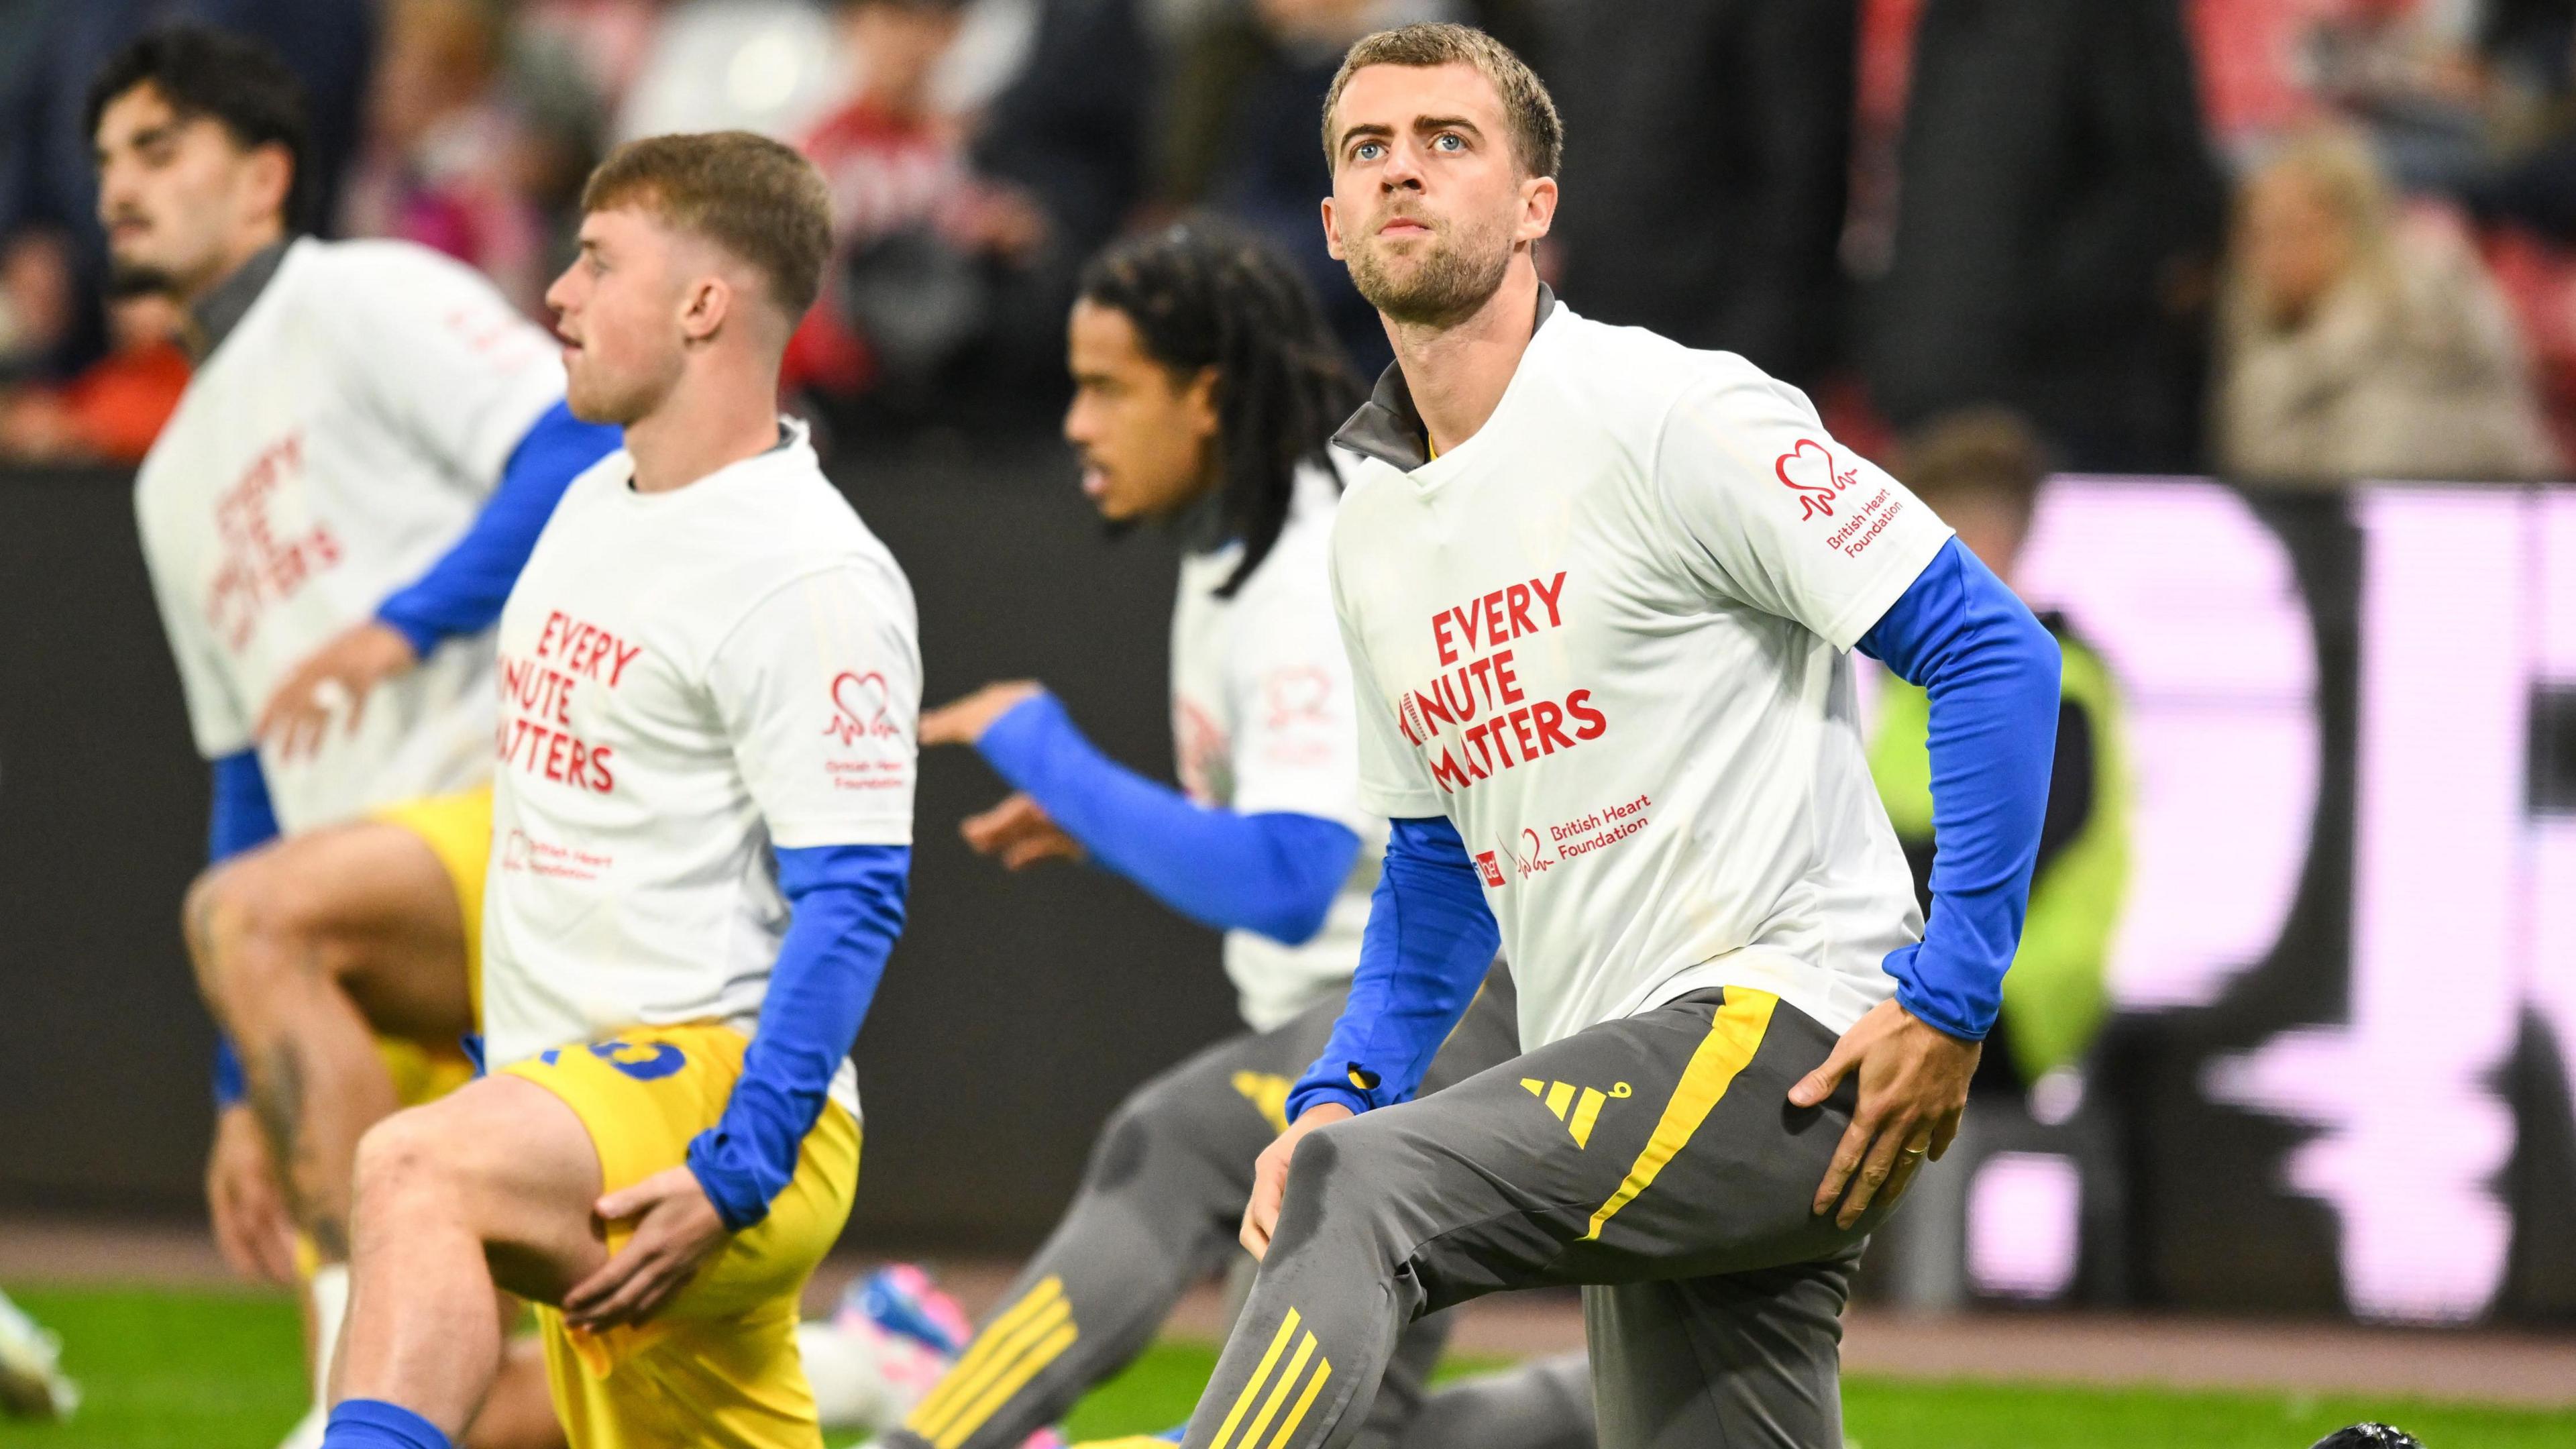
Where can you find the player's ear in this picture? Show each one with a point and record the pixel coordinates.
(1199, 401)
(704, 307)
(272, 178)
(1332, 232)
(1538, 208)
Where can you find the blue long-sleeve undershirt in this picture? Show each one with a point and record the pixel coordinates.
(1429, 940)
(239, 817)
(1275, 873)
(463, 592)
(848, 907)
(1990, 670)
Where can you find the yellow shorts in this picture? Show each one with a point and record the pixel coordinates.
(718, 1366)
(458, 830)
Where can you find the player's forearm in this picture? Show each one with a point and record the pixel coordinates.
(849, 908)
(463, 592)
(1430, 938)
(239, 817)
(1991, 673)
(1274, 873)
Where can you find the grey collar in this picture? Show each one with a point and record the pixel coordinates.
(1388, 428)
(222, 308)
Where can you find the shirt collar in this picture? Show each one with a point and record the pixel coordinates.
(221, 310)
(1388, 427)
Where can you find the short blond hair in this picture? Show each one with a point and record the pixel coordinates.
(750, 195)
(1538, 136)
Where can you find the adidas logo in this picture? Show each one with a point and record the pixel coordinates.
(1559, 1097)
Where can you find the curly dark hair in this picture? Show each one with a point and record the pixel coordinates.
(1201, 294)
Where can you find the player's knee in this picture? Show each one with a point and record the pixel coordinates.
(1134, 1135)
(256, 924)
(404, 1162)
(1345, 1171)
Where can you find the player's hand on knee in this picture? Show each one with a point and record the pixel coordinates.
(1270, 1175)
(1913, 1087)
(1019, 833)
(252, 1226)
(345, 670)
(676, 1228)
(963, 721)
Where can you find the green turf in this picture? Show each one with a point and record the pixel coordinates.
(200, 1370)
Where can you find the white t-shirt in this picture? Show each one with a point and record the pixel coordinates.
(338, 440)
(1605, 636)
(1262, 721)
(688, 679)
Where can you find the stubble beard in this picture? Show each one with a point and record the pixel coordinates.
(139, 279)
(1459, 272)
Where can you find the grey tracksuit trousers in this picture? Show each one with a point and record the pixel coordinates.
(1158, 1211)
(1654, 1160)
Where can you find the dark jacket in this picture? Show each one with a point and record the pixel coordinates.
(2058, 219)
(1707, 161)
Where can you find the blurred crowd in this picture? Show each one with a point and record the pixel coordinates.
(2287, 240)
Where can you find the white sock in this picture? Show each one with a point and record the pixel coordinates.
(330, 1293)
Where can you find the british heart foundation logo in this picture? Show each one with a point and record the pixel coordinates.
(859, 708)
(1808, 470)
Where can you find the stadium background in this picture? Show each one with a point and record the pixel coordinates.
(2340, 1084)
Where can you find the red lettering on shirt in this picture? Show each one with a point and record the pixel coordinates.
(1474, 719)
(263, 560)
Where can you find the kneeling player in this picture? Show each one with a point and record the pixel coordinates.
(697, 875)
(1598, 591)
(1206, 387)
(367, 425)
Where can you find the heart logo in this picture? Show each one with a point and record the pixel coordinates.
(859, 707)
(1816, 498)
(1297, 693)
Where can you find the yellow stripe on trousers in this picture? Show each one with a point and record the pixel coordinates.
(1732, 1038)
(1260, 1375)
(1029, 1335)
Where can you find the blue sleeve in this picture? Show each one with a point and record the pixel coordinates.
(1990, 670)
(238, 818)
(1274, 873)
(463, 592)
(848, 905)
(1429, 941)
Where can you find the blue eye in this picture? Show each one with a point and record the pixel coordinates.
(1366, 151)
(1450, 140)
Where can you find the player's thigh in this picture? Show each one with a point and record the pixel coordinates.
(1529, 1172)
(1228, 1100)
(641, 1097)
(1748, 1361)
(1721, 1170)
(376, 907)
(506, 1160)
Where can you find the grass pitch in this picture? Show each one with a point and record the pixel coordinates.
(210, 1370)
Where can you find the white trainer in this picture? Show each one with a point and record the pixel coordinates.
(32, 1385)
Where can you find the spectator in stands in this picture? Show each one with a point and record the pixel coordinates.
(914, 229)
(447, 161)
(1070, 133)
(114, 408)
(2059, 217)
(1981, 470)
(1711, 143)
(1248, 94)
(2357, 344)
